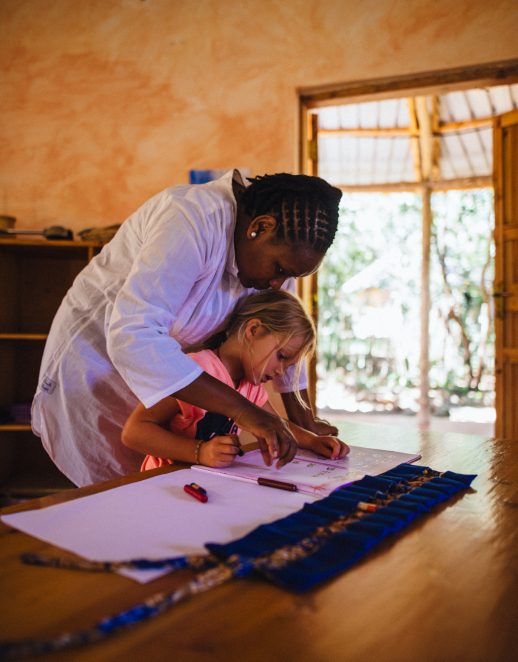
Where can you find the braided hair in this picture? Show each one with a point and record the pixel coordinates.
(306, 208)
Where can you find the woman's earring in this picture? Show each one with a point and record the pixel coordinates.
(253, 235)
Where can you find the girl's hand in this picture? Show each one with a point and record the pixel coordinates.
(330, 447)
(219, 451)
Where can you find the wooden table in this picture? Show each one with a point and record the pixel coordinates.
(444, 589)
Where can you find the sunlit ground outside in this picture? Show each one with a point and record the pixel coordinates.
(369, 317)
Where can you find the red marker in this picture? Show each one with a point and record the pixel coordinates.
(197, 492)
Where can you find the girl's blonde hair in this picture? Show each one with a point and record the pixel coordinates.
(280, 313)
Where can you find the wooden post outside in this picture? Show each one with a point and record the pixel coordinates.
(414, 140)
(423, 120)
(425, 137)
(423, 417)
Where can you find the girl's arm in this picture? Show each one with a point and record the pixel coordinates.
(275, 438)
(144, 432)
(330, 446)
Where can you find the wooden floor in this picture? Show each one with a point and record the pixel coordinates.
(443, 590)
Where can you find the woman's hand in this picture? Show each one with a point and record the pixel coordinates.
(219, 452)
(330, 447)
(276, 441)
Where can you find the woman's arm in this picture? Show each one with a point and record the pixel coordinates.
(303, 417)
(144, 431)
(273, 433)
(329, 446)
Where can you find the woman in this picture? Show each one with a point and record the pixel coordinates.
(169, 279)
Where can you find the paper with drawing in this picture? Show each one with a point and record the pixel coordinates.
(314, 474)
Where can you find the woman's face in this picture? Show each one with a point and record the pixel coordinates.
(263, 262)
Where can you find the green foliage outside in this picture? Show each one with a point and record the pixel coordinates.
(369, 298)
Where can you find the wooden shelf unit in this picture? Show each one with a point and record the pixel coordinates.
(35, 275)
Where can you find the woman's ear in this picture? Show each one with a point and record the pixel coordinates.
(262, 227)
(252, 328)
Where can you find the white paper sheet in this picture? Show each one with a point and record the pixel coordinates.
(156, 519)
(313, 474)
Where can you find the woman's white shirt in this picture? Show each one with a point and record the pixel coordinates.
(167, 279)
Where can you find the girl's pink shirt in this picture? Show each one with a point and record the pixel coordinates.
(185, 422)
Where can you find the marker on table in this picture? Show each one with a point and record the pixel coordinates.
(279, 484)
(220, 433)
(197, 492)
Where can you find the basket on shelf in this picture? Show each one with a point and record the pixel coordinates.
(103, 235)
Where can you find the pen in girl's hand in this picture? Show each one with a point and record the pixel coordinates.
(220, 433)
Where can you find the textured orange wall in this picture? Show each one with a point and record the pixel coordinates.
(105, 102)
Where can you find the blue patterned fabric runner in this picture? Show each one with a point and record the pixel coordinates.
(400, 501)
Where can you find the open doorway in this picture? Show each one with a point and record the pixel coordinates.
(405, 315)
(369, 312)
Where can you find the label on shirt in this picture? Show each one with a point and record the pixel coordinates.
(48, 385)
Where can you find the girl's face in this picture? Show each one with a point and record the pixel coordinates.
(263, 357)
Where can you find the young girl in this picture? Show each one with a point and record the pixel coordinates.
(267, 333)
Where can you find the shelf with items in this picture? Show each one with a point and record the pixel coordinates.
(35, 275)
(66, 248)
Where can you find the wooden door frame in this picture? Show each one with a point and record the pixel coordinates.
(434, 82)
(504, 356)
